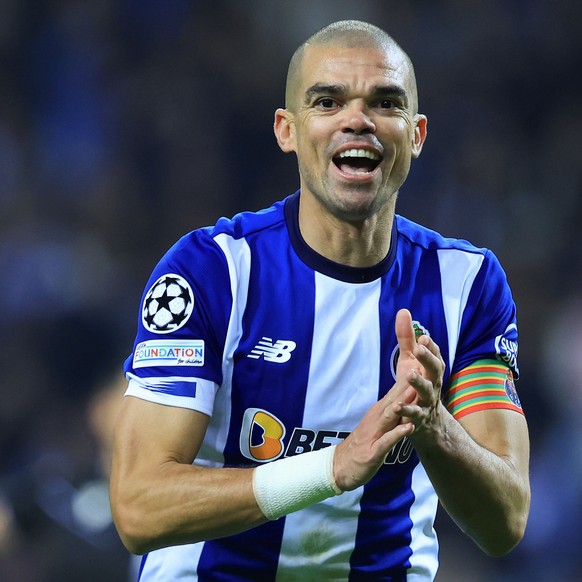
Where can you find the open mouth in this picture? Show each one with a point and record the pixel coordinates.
(357, 161)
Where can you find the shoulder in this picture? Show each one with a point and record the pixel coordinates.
(207, 244)
(415, 234)
(462, 266)
(453, 255)
(248, 223)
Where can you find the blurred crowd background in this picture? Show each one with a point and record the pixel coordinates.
(126, 123)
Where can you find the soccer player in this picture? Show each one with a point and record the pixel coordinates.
(309, 381)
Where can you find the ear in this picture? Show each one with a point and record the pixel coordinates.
(284, 128)
(420, 123)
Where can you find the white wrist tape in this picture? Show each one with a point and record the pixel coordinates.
(290, 484)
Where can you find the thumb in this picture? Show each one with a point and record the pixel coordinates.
(405, 332)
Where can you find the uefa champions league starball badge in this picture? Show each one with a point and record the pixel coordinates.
(167, 305)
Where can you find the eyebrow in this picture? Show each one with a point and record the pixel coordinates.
(392, 91)
(323, 89)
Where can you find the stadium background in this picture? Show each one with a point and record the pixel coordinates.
(126, 123)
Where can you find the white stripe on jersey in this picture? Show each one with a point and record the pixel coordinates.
(347, 330)
(163, 564)
(238, 258)
(424, 543)
(461, 268)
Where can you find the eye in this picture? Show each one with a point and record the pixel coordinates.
(326, 103)
(386, 104)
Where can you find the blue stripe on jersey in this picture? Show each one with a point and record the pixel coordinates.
(279, 309)
(386, 504)
(246, 557)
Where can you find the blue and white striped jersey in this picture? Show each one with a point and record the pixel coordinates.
(286, 351)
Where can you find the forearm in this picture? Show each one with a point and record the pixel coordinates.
(182, 503)
(483, 492)
(161, 499)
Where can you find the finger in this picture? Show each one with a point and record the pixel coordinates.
(429, 356)
(411, 413)
(423, 387)
(430, 345)
(387, 441)
(405, 332)
(408, 396)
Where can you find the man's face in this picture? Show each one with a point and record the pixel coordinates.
(353, 127)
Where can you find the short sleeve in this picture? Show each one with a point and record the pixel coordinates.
(182, 325)
(489, 322)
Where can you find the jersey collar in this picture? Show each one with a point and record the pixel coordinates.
(323, 265)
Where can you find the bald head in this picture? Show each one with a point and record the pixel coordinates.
(346, 34)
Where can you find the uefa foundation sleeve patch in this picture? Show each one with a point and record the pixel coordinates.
(484, 385)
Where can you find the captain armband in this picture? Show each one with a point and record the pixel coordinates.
(287, 485)
(484, 385)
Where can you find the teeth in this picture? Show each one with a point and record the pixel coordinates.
(359, 153)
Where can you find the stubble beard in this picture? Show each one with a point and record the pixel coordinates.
(353, 203)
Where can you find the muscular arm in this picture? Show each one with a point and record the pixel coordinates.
(158, 497)
(478, 466)
(479, 469)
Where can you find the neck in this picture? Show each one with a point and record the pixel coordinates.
(362, 243)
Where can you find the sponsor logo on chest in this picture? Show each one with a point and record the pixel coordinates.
(263, 438)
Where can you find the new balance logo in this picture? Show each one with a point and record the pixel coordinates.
(278, 352)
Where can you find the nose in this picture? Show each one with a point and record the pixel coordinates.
(357, 120)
